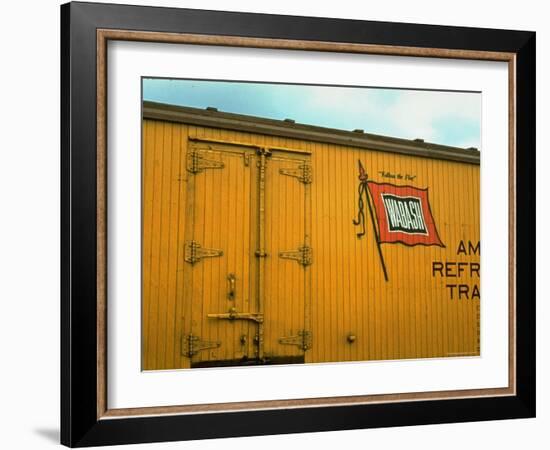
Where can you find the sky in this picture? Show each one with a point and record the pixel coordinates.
(448, 118)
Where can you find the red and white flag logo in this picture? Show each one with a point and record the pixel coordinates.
(403, 214)
(398, 213)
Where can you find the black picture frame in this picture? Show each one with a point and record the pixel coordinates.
(80, 425)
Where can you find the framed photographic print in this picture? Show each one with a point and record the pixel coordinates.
(276, 224)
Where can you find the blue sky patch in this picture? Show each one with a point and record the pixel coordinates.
(449, 118)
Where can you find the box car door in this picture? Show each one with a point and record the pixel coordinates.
(286, 334)
(219, 321)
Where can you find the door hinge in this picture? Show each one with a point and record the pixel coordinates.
(302, 172)
(303, 340)
(233, 314)
(194, 252)
(191, 345)
(197, 163)
(303, 255)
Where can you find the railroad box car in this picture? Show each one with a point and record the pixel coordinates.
(268, 241)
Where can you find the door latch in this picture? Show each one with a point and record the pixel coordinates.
(231, 292)
(233, 314)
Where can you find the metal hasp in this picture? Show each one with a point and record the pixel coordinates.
(302, 172)
(233, 314)
(191, 345)
(197, 163)
(303, 255)
(231, 278)
(194, 252)
(303, 340)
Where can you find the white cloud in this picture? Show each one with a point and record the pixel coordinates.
(402, 113)
(416, 113)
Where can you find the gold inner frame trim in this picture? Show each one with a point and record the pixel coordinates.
(103, 36)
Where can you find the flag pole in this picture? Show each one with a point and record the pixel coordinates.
(377, 237)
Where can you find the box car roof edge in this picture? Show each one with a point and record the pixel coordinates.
(211, 117)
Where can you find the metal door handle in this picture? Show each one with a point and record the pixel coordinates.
(233, 314)
(231, 292)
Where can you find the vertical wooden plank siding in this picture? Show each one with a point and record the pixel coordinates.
(285, 296)
(351, 311)
(162, 232)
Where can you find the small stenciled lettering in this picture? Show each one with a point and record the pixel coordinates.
(396, 176)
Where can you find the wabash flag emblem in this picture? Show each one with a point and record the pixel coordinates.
(403, 214)
(398, 214)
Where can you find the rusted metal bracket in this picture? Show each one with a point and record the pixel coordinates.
(233, 314)
(303, 340)
(191, 345)
(302, 172)
(197, 163)
(303, 255)
(194, 252)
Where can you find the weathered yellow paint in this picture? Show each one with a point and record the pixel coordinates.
(342, 292)
(285, 299)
